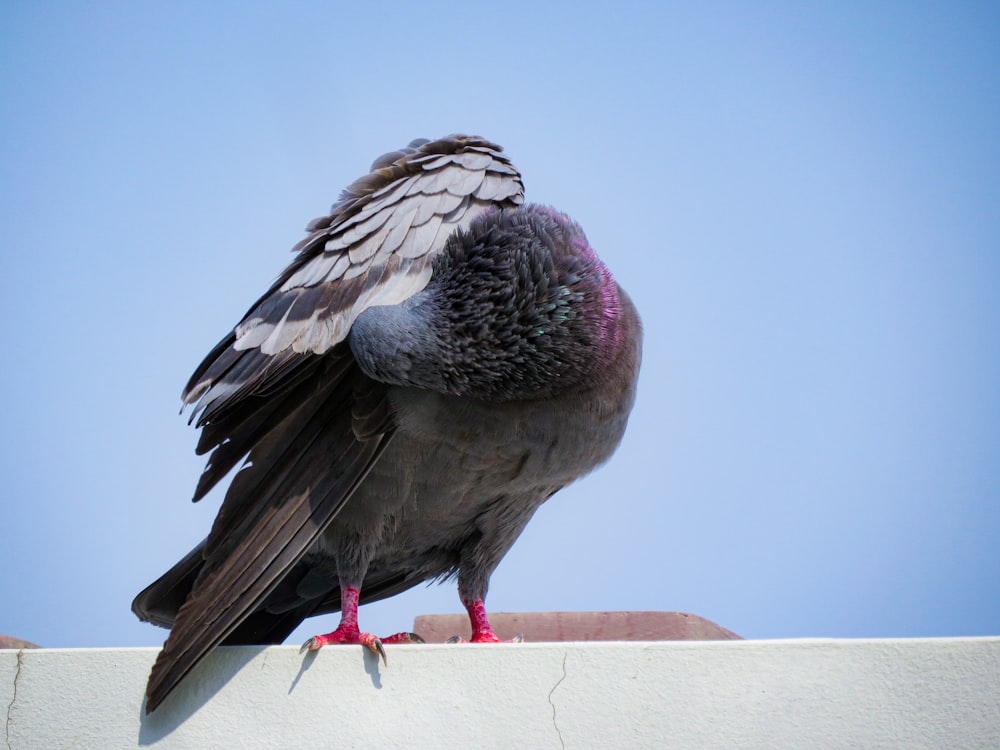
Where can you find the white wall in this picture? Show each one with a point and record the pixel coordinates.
(802, 694)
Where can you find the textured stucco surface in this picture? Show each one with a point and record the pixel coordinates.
(933, 693)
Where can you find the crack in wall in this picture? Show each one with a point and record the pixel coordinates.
(555, 724)
(13, 698)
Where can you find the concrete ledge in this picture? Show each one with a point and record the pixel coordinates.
(933, 693)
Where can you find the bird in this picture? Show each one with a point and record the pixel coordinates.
(437, 361)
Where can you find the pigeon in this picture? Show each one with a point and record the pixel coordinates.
(437, 361)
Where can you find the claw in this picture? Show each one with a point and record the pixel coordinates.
(313, 644)
(377, 648)
(373, 644)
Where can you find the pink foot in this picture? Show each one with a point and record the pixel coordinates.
(482, 631)
(485, 639)
(348, 631)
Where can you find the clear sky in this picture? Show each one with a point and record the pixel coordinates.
(803, 199)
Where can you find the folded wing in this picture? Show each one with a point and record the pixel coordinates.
(283, 391)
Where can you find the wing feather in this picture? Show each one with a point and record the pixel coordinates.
(467, 184)
(416, 243)
(297, 479)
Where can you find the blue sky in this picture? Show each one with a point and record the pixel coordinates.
(802, 199)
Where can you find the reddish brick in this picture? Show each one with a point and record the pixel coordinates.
(9, 641)
(580, 626)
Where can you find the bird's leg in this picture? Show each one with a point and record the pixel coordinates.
(349, 632)
(482, 631)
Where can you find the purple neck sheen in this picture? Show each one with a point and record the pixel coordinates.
(611, 333)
